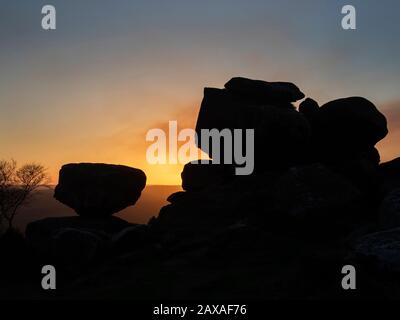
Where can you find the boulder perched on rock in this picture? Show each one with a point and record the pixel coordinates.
(344, 133)
(197, 176)
(48, 226)
(350, 124)
(313, 204)
(258, 91)
(99, 190)
(282, 135)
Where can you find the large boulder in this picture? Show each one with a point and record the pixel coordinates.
(258, 91)
(282, 135)
(99, 190)
(345, 132)
(351, 124)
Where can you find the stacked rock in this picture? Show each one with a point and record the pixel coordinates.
(317, 166)
(281, 133)
(318, 199)
(99, 190)
(345, 132)
(95, 191)
(318, 182)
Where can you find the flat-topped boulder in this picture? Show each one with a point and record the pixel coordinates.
(99, 190)
(264, 91)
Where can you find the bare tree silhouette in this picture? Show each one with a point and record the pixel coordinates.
(17, 187)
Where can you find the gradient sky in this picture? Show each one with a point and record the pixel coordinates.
(90, 90)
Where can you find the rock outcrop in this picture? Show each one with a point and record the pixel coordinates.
(95, 191)
(318, 199)
(99, 190)
(281, 133)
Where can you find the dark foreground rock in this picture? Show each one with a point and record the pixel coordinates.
(99, 190)
(319, 198)
(197, 176)
(73, 241)
(389, 211)
(389, 174)
(132, 238)
(381, 250)
(345, 132)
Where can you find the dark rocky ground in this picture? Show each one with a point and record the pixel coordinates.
(319, 199)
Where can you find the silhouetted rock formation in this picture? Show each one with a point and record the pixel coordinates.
(318, 200)
(282, 135)
(263, 92)
(317, 166)
(317, 183)
(95, 192)
(99, 190)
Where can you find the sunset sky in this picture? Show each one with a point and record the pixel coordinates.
(90, 90)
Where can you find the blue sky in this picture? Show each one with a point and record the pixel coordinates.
(89, 89)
